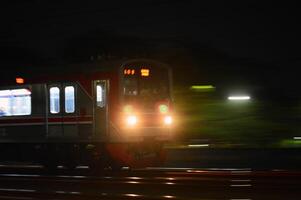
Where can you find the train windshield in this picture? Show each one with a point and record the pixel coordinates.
(146, 85)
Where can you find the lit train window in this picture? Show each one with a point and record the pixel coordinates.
(100, 95)
(54, 93)
(69, 99)
(15, 102)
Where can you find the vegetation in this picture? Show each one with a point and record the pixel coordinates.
(208, 115)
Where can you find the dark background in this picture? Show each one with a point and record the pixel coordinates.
(247, 44)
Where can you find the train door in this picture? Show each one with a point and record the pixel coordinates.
(70, 120)
(101, 108)
(55, 110)
(62, 116)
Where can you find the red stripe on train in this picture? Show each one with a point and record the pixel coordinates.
(42, 120)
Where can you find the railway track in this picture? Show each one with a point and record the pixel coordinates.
(154, 183)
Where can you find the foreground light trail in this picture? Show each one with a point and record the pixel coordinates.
(155, 183)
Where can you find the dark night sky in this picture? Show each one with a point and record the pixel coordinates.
(259, 39)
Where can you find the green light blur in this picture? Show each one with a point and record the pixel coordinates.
(163, 108)
(128, 109)
(202, 88)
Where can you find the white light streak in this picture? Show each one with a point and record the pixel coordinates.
(297, 138)
(241, 172)
(134, 178)
(198, 145)
(133, 182)
(16, 190)
(132, 195)
(241, 185)
(239, 98)
(20, 175)
(168, 196)
(241, 180)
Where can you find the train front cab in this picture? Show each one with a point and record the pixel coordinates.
(145, 117)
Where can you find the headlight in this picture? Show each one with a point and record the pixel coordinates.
(167, 120)
(128, 109)
(131, 120)
(163, 109)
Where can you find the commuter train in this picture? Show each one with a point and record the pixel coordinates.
(105, 115)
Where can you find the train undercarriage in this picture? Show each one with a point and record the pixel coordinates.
(96, 155)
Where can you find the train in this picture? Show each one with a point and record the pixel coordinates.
(106, 114)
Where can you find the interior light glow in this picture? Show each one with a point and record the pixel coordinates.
(19, 80)
(239, 98)
(167, 120)
(144, 72)
(20, 92)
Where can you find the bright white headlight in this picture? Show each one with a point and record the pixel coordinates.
(167, 120)
(131, 120)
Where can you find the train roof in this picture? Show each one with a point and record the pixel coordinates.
(59, 70)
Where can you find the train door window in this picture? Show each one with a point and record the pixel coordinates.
(54, 93)
(100, 94)
(15, 102)
(69, 99)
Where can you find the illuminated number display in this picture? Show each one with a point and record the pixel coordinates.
(129, 72)
(144, 72)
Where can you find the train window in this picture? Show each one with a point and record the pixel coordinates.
(15, 102)
(54, 100)
(100, 95)
(69, 99)
(130, 86)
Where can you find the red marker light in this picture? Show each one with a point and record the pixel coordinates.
(19, 80)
